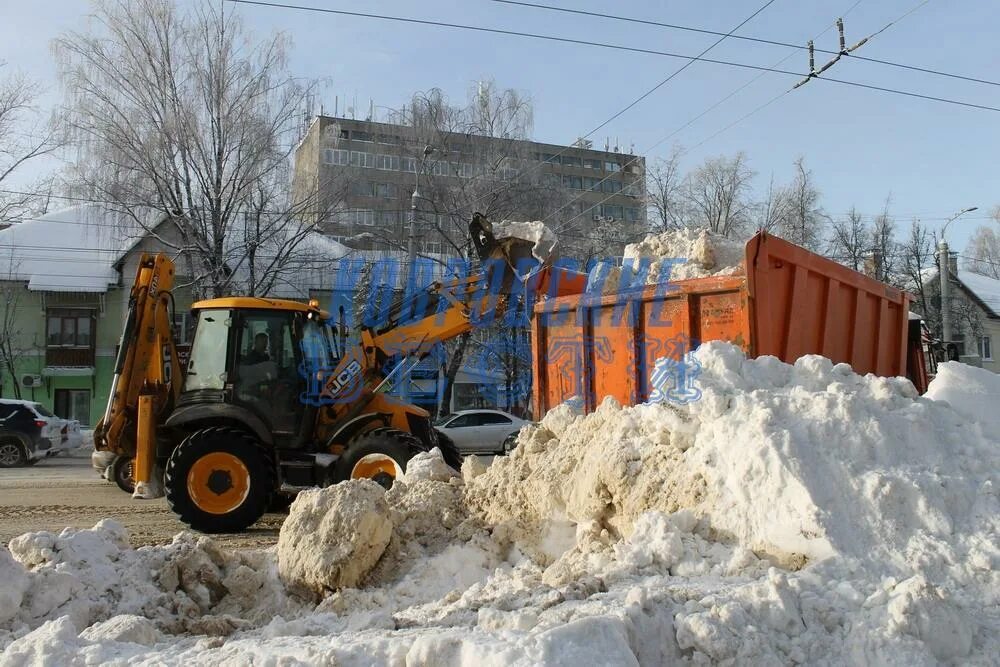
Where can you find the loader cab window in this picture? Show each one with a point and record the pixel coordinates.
(207, 364)
(266, 367)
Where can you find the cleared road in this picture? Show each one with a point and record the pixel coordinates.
(66, 491)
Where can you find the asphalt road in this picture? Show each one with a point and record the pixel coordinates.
(66, 491)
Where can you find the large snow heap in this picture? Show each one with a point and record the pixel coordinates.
(795, 514)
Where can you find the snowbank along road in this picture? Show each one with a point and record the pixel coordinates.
(796, 514)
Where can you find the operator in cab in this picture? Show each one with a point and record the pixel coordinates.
(258, 354)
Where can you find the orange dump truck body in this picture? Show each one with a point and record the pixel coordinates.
(789, 303)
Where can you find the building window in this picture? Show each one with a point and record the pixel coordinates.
(590, 183)
(986, 348)
(337, 157)
(360, 135)
(408, 164)
(73, 404)
(364, 217)
(593, 164)
(69, 328)
(613, 212)
(551, 158)
(573, 182)
(612, 166)
(432, 247)
(571, 161)
(386, 190)
(632, 214)
(361, 159)
(611, 187)
(387, 162)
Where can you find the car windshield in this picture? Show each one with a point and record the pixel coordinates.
(444, 419)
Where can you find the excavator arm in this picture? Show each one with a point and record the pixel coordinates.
(508, 268)
(147, 374)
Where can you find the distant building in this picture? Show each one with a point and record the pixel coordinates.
(370, 169)
(975, 313)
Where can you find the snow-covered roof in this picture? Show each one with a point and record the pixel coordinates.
(984, 288)
(71, 250)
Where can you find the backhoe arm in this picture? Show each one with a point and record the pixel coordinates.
(147, 374)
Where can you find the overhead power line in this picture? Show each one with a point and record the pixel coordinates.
(605, 45)
(745, 38)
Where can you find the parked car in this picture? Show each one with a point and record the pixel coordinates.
(480, 431)
(27, 432)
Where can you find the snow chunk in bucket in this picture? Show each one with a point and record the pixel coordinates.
(333, 537)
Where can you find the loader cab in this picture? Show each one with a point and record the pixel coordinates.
(247, 357)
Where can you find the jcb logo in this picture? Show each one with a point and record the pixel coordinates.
(168, 367)
(343, 379)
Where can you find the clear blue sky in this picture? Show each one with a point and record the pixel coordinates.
(934, 158)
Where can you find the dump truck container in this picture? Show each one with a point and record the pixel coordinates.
(789, 302)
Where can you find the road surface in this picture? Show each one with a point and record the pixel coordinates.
(67, 491)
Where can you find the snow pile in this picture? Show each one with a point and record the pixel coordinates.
(674, 255)
(701, 253)
(973, 392)
(796, 514)
(542, 238)
(334, 536)
(89, 576)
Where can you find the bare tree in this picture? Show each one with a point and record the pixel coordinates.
(10, 332)
(665, 193)
(917, 260)
(982, 254)
(23, 139)
(774, 208)
(850, 240)
(719, 194)
(183, 112)
(884, 249)
(802, 222)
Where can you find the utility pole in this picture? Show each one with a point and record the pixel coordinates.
(943, 275)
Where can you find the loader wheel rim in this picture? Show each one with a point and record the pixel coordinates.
(218, 483)
(377, 467)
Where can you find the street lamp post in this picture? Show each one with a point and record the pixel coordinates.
(411, 253)
(943, 271)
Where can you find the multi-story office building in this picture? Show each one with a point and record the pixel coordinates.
(368, 171)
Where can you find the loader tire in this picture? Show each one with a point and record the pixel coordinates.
(219, 480)
(380, 455)
(449, 451)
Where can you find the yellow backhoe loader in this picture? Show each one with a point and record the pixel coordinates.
(275, 400)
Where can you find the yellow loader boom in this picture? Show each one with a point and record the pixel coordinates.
(147, 375)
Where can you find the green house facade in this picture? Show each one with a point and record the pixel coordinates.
(65, 280)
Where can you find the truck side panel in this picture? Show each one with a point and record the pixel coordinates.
(790, 303)
(802, 303)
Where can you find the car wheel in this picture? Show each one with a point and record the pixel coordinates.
(12, 454)
(123, 472)
(510, 442)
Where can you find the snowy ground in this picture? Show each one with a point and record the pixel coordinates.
(794, 515)
(66, 491)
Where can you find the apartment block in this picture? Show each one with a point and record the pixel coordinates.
(368, 170)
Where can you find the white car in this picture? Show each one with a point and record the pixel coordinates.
(479, 431)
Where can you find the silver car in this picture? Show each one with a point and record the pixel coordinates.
(480, 431)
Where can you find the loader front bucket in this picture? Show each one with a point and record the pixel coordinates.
(522, 256)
